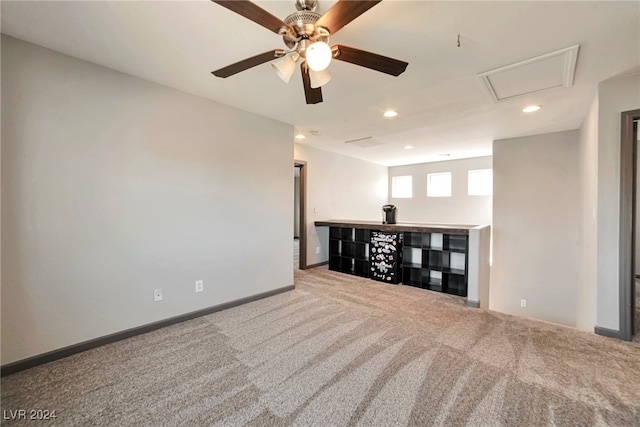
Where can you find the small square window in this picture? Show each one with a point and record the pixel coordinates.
(439, 184)
(401, 187)
(480, 182)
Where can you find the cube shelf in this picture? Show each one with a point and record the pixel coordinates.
(361, 251)
(349, 251)
(455, 243)
(346, 234)
(436, 261)
(363, 235)
(361, 268)
(433, 261)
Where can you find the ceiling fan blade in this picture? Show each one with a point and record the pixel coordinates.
(253, 12)
(384, 64)
(312, 95)
(245, 64)
(343, 12)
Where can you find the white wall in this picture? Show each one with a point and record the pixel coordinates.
(614, 97)
(588, 259)
(536, 218)
(338, 187)
(460, 208)
(113, 186)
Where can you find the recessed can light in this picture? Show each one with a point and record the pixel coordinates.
(408, 147)
(531, 108)
(390, 113)
(300, 136)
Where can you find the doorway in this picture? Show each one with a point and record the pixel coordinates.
(628, 218)
(299, 215)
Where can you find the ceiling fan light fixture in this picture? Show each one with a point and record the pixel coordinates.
(318, 56)
(284, 67)
(319, 78)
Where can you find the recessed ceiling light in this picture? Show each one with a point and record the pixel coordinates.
(408, 147)
(300, 136)
(390, 113)
(531, 108)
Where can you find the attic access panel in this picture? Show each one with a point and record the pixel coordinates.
(548, 71)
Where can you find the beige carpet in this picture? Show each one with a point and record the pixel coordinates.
(343, 351)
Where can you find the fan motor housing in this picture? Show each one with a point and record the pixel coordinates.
(303, 23)
(306, 5)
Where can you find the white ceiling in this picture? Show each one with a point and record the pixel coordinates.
(442, 105)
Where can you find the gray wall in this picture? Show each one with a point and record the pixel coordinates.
(113, 186)
(460, 208)
(338, 187)
(588, 260)
(614, 96)
(536, 220)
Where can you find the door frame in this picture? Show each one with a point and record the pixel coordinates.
(628, 167)
(303, 212)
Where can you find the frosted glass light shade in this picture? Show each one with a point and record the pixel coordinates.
(318, 78)
(284, 67)
(318, 56)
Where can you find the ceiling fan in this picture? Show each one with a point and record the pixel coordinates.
(306, 35)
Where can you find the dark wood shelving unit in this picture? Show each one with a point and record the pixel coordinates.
(436, 261)
(361, 253)
(340, 244)
(432, 257)
(349, 250)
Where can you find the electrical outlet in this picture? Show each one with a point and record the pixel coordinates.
(523, 303)
(157, 295)
(317, 249)
(199, 285)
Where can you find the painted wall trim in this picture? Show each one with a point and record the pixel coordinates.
(626, 275)
(41, 359)
(474, 304)
(605, 332)
(302, 250)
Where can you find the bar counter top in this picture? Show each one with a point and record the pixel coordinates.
(400, 226)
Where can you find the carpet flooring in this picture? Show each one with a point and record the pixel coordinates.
(342, 351)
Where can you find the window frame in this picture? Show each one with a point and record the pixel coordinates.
(490, 188)
(394, 187)
(439, 193)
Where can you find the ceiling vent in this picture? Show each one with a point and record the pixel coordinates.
(555, 69)
(364, 142)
